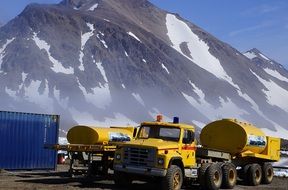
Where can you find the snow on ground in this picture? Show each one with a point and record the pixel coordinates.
(276, 74)
(2, 51)
(250, 55)
(126, 54)
(227, 109)
(93, 7)
(123, 86)
(134, 36)
(84, 38)
(138, 98)
(85, 118)
(280, 173)
(179, 32)
(57, 66)
(272, 97)
(100, 67)
(165, 68)
(100, 96)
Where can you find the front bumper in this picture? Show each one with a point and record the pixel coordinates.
(142, 171)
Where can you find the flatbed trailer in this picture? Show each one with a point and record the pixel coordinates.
(88, 160)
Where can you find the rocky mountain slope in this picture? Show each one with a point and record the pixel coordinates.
(117, 62)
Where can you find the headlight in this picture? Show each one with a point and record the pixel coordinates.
(118, 157)
(160, 161)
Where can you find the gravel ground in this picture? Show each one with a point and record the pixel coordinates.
(38, 180)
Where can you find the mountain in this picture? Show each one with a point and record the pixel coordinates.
(116, 62)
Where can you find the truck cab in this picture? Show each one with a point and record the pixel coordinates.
(160, 149)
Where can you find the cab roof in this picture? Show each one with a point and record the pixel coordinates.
(168, 124)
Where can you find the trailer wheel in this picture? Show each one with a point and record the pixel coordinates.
(213, 177)
(201, 175)
(254, 175)
(173, 179)
(267, 172)
(229, 176)
(122, 179)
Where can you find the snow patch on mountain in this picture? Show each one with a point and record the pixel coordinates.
(57, 66)
(134, 36)
(85, 118)
(93, 7)
(138, 98)
(2, 51)
(99, 97)
(11, 93)
(227, 109)
(276, 74)
(63, 102)
(179, 32)
(24, 76)
(280, 131)
(250, 55)
(32, 95)
(272, 97)
(264, 57)
(165, 68)
(199, 124)
(102, 41)
(102, 71)
(84, 38)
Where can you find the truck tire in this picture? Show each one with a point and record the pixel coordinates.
(122, 179)
(213, 177)
(267, 173)
(254, 175)
(201, 175)
(229, 176)
(173, 179)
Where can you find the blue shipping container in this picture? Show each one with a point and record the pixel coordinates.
(22, 140)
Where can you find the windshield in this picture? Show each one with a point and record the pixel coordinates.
(159, 132)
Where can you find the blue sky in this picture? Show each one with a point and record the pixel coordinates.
(244, 24)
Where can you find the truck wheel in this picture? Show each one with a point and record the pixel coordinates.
(229, 176)
(213, 177)
(201, 175)
(122, 179)
(173, 179)
(244, 173)
(254, 175)
(267, 172)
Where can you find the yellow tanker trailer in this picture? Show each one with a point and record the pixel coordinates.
(250, 149)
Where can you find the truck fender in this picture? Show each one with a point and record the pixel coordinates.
(177, 161)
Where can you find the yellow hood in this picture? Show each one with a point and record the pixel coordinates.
(153, 143)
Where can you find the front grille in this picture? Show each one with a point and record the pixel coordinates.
(139, 156)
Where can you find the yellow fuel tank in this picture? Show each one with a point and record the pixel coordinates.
(91, 135)
(232, 136)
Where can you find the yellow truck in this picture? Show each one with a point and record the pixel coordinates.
(168, 152)
(91, 149)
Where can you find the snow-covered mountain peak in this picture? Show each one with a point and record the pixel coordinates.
(113, 62)
(255, 53)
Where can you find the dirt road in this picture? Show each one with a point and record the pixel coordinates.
(60, 180)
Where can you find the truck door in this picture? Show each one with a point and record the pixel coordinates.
(188, 148)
